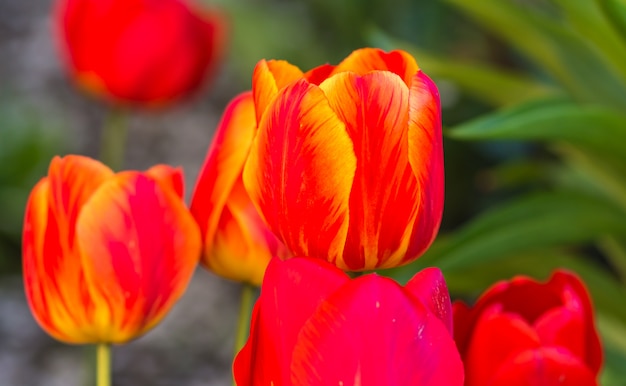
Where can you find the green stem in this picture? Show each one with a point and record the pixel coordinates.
(245, 312)
(114, 140)
(103, 365)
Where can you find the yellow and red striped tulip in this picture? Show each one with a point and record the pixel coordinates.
(237, 243)
(347, 162)
(105, 255)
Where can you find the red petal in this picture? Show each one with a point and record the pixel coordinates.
(299, 172)
(268, 78)
(426, 159)
(429, 286)
(370, 333)
(373, 59)
(543, 366)
(319, 74)
(383, 197)
(495, 338)
(139, 247)
(291, 292)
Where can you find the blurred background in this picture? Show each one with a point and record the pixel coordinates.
(533, 95)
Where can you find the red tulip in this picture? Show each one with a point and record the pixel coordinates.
(313, 325)
(140, 52)
(522, 332)
(106, 255)
(237, 243)
(347, 163)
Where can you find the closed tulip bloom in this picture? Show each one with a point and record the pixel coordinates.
(347, 162)
(313, 325)
(522, 332)
(105, 256)
(138, 52)
(237, 243)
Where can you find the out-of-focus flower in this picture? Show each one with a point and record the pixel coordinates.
(237, 243)
(522, 332)
(347, 162)
(105, 255)
(139, 52)
(312, 325)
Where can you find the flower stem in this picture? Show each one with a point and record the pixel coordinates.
(245, 312)
(113, 141)
(103, 364)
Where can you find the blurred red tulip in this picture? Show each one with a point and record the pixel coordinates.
(347, 163)
(105, 256)
(522, 332)
(313, 325)
(237, 243)
(139, 52)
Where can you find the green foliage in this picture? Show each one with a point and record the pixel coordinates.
(568, 97)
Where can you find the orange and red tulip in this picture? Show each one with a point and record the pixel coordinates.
(237, 243)
(139, 52)
(105, 255)
(347, 162)
(522, 332)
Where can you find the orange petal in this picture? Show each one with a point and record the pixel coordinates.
(53, 276)
(426, 159)
(243, 245)
(366, 60)
(300, 170)
(383, 200)
(223, 165)
(268, 78)
(169, 178)
(140, 247)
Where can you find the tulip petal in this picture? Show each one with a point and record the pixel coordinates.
(169, 178)
(299, 172)
(489, 349)
(223, 165)
(139, 247)
(426, 159)
(366, 60)
(53, 277)
(267, 79)
(319, 74)
(429, 286)
(543, 366)
(291, 292)
(371, 333)
(374, 108)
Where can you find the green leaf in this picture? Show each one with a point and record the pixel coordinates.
(539, 221)
(489, 84)
(615, 10)
(569, 59)
(596, 128)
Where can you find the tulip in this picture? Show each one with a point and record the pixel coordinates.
(237, 243)
(138, 52)
(105, 256)
(313, 325)
(522, 332)
(347, 162)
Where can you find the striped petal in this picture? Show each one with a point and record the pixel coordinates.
(370, 333)
(267, 79)
(139, 248)
(223, 165)
(383, 198)
(299, 172)
(426, 160)
(54, 281)
(169, 178)
(366, 60)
